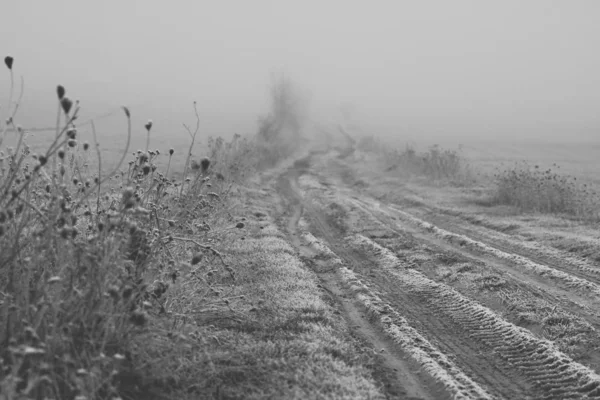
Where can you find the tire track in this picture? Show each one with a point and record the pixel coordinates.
(434, 362)
(570, 279)
(540, 254)
(551, 372)
(471, 357)
(528, 264)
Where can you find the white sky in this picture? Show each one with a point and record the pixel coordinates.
(457, 68)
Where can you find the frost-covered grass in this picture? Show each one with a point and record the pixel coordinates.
(281, 339)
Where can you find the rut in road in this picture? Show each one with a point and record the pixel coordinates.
(400, 378)
(542, 254)
(397, 328)
(551, 372)
(478, 337)
(501, 383)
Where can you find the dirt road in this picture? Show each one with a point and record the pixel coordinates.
(452, 311)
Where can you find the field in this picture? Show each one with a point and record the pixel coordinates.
(271, 266)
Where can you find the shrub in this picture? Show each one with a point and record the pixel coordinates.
(544, 190)
(435, 163)
(280, 131)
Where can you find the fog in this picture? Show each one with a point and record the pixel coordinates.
(447, 70)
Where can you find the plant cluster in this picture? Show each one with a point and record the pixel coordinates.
(436, 163)
(87, 257)
(544, 190)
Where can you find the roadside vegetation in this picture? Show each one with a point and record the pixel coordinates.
(118, 281)
(435, 163)
(534, 189)
(525, 187)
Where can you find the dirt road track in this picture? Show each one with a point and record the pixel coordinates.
(400, 377)
(500, 359)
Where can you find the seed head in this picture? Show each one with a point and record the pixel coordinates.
(196, 258)
(126, 110)
(71, 133)
(148, 125)
(204, 164)
(138, 318)
(61, 154)
(43, 160)
(66, 104)
(127, 292)
(132, 229)
(128, 193)
(240, 225)
(8, 60)
(60, 91)
(65, 232)
(171, 151)
(159, 289)
(86, 146)
(72, 143)
(113, 291)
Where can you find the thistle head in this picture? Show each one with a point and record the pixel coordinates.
(204, 164)
(66, 104)
(8, 60)
(60, 91)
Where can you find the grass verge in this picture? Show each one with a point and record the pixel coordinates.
(278, 339)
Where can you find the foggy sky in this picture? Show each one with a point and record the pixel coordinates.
(519, 68)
